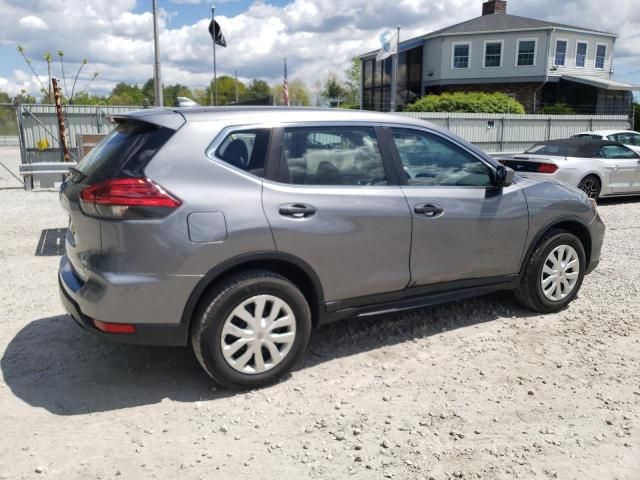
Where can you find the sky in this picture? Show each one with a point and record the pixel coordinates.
(317, 37)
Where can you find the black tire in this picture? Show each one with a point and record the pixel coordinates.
(591, 185)
(530, 292)
(217, 306)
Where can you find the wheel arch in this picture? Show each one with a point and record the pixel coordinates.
(289, 266)
(594, 173)
(571, 224)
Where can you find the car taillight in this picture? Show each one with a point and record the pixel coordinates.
(127, 198)
(547, 168)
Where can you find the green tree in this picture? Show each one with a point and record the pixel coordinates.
(148, 91)
(333, 91)
(467, 102)
(299, 94)
(172, 92)
(8, 124)
(257, 89)
(226, 90)
(85, 98)
(125, 94)
(353, 74)
(557, 109)
(24, 97)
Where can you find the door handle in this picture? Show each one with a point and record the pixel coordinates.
(428, 210)
(297, 210)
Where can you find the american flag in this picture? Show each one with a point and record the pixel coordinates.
(285, 86)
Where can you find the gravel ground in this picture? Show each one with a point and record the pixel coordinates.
(473, 389)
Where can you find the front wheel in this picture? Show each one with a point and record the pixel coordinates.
(554, 273)
(251, 329)
(591, 186)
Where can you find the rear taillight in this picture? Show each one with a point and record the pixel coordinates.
(127, 198)
(547, 168)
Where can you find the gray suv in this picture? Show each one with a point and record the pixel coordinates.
(238, 230)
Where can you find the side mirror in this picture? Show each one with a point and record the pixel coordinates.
(504, 176)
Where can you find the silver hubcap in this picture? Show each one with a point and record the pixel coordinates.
(258, 334)
(560, 273)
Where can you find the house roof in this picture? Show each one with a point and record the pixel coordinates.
(499, 22)
(599, 82)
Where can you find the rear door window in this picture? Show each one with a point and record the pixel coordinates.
(332, 156)
(124, 152)
(246, 150)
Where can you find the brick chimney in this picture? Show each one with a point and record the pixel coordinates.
(494, 6)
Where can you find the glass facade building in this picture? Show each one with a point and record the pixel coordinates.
(376, 80)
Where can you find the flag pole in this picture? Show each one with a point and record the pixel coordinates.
(236, 77)
(285, 86)
(215, 72)
(394, 73)
(157, 77)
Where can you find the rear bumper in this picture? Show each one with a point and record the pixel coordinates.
(596, 229)
(72, 294)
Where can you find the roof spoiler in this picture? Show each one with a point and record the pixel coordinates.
(162, 117)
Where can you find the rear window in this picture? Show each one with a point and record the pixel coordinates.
(588, 136)
(124, 152)
(559, 150)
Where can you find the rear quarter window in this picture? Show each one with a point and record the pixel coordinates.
(124, 152)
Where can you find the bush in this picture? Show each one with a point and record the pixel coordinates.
(557, 109)
(471, 102)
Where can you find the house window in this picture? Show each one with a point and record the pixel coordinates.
(493, 54)
(561, 52)
(526, 53)
(461, 55)
(601, 55)
(581, 54)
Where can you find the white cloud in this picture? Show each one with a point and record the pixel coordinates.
(316, 36)
(32, 22)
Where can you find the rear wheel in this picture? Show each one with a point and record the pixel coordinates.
(591, 186)
(554, 273)
(251, 329)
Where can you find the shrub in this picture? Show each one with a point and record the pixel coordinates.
(557, 109)
(467, 102)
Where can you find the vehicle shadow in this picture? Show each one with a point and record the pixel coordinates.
(53, 364)
(619, 200)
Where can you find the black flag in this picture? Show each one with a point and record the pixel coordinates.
(217, 37)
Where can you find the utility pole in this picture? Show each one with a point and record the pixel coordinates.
(236, 77)
(157, 77)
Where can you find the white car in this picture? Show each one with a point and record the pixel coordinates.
(600, 168)
(627, 137)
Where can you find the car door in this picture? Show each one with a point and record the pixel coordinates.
(464, 228)
(335, 204)
(622, 165)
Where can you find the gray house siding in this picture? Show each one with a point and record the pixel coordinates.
(432, 61)
(477, 71)
(570, 63)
